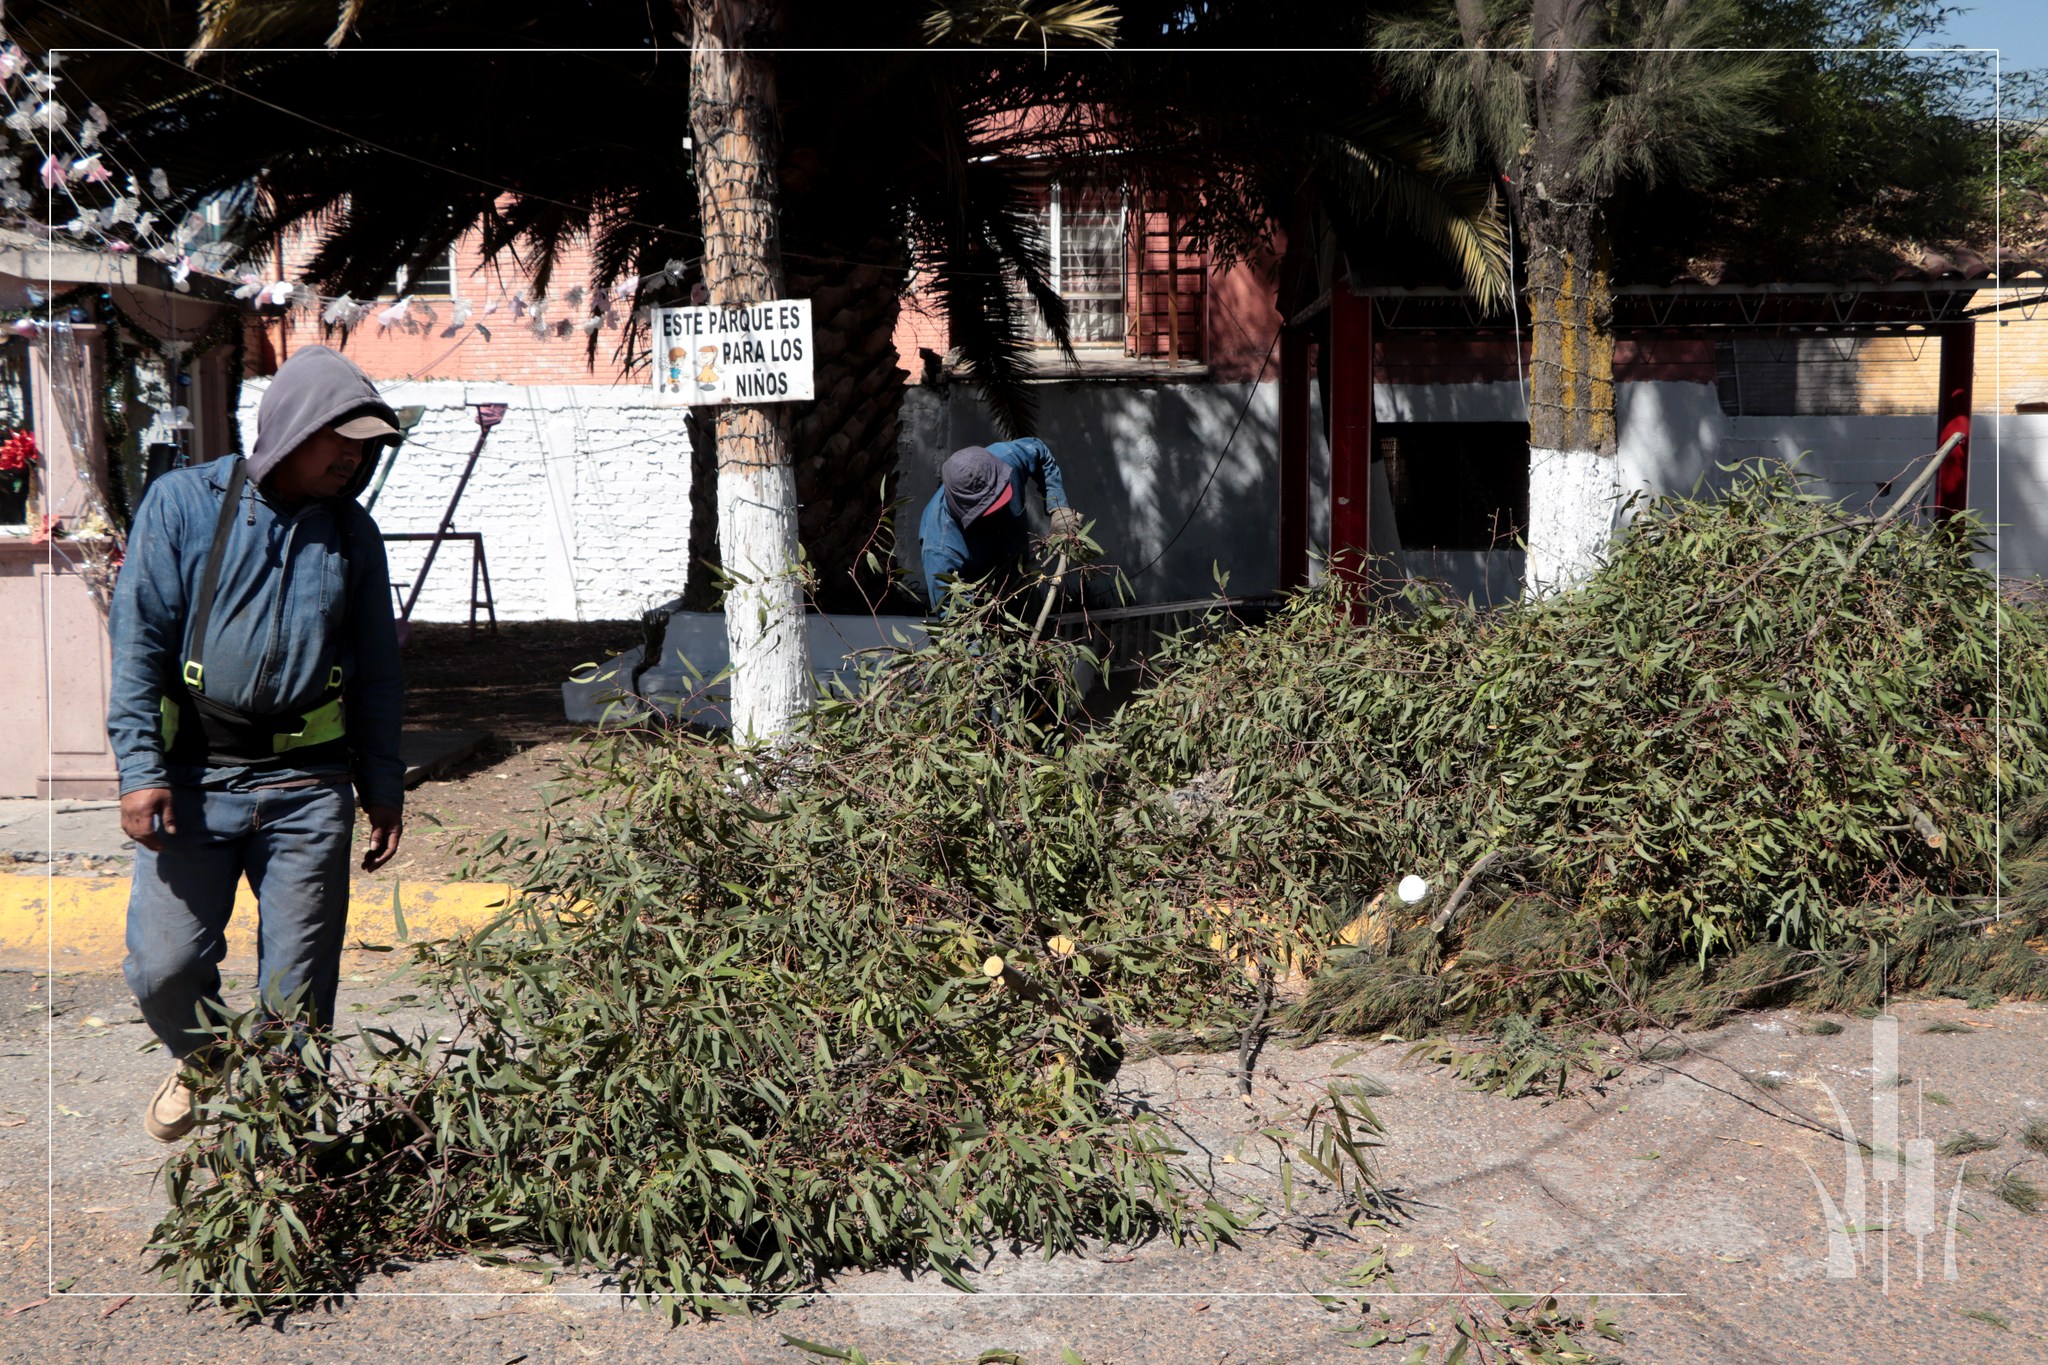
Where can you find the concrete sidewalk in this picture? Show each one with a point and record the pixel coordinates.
(36, 831)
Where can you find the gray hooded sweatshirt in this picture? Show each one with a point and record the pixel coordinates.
(315, 388)
(303, 590)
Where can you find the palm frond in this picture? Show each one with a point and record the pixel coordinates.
(260, 23)
(1478, 102)
(1038, 23)
(1381, 166)
(987, 267)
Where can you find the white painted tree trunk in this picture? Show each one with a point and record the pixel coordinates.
(764, 604)
(1571, 516)
(738, 143)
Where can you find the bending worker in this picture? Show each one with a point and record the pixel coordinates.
(256, 682)
(973, 529)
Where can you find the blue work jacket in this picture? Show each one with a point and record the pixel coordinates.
(993, 546)
(301, 592)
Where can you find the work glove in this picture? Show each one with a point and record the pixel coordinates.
(1066, 521)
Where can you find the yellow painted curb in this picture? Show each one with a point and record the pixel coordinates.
(81, 923)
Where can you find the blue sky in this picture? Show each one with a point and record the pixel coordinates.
(2015, 26)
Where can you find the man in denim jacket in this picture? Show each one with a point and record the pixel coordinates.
(256, 693)
(973, 530)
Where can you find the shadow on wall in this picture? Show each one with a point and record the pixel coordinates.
(1175, 496)
(1136, 458)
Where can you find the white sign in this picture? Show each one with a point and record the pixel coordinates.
(759, 353)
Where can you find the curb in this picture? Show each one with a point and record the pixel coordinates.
(80, 923)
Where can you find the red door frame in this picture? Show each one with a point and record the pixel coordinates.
(1350, 435)
(1958, 366)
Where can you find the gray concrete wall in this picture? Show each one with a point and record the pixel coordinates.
(1673, 435)
(1136, 458)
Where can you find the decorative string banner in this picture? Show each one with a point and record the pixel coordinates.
(748, 353)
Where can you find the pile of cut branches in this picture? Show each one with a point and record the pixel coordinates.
(854, 1000)
(1759, 754)
(851, 1001)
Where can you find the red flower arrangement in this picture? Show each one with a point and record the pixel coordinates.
(18, 454)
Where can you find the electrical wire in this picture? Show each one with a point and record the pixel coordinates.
(1250, 397)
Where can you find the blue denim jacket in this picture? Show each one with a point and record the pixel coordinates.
(289, 608)
(995, 544)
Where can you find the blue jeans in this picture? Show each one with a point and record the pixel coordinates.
(293, 845)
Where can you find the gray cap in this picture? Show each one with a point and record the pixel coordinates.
(975, 480)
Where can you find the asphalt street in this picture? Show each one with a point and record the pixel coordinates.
(1684, 1194)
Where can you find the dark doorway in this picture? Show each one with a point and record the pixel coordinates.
(1457, 485)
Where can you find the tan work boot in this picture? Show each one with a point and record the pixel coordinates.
(169, 1116)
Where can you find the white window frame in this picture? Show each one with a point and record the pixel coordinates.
(1055, 236)
(399, 282)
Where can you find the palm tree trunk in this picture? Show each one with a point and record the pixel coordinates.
(1573, 475)
(733, 118)
(845, 442)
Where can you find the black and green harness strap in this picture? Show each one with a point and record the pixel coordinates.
(224, 735)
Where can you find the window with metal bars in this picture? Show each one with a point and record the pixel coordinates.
(1088, 251)
(435, 281)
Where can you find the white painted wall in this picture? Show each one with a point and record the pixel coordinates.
(582, 495)
(1674, 437)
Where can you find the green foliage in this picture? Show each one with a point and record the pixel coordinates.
(1725, 752)
(976, 23)
(2009, 1188)
(286, 1114)
(1659, 90)
(850, 1001)
(1519, 1057)
(1872, 139)
(2034, 1136)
